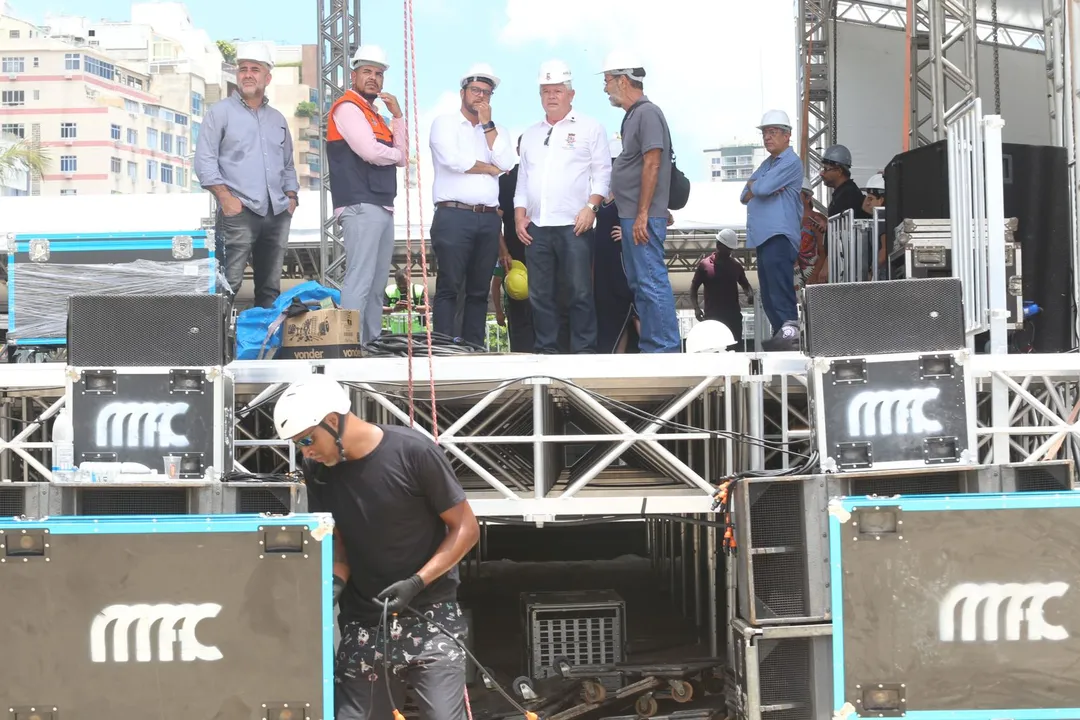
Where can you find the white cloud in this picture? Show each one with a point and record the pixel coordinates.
(713, 65)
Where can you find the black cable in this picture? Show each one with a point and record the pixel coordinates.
(398, 346)
(237, 476)
(385, 627)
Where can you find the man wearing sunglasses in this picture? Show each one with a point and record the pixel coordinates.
(402, 525)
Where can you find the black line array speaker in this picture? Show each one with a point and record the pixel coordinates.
(148, 330)
(886, 316)
(1036, 188)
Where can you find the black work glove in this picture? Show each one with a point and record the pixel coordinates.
(401, 593)
(339, 587)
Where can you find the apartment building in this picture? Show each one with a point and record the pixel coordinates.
(16, 181)
(733, 163)
(299, 103)
(102, 127)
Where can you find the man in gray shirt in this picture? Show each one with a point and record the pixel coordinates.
(245, 157)
(640, 181)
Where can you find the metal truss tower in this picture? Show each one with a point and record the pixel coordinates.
(816, 74)
(339, 35)
(942, 82)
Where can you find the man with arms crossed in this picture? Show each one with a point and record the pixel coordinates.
(245, 157)
(469, 153)
(403, 523)
(364, 154)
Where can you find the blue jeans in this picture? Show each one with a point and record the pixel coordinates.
(557, 254)
(466, 246)
(647, 275)
(775, 262)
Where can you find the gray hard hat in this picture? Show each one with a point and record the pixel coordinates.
(838, 154)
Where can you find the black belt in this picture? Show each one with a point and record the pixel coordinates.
(463, 206)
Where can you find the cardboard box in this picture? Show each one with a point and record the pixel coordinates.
(332, 333)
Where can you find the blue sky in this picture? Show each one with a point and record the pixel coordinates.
(708, 68)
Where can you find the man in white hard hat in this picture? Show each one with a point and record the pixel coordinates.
(245, 158)
(564, 175)
(641, 181)
(874, 197)
(402, 525)
(722, 275)
(469, 152)
(363, 153)
(774, 211)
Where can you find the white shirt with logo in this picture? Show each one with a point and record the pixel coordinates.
(561, 166)
(457, 145)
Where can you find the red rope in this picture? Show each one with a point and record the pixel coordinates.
(408, 235)
(410, 49)
(468, 705)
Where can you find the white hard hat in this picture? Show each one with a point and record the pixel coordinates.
(307, 402)
(876, 182)
(621, 62)
(709, 336)
(775, 118)
(554, 72)
(615, 145)
(728, 238)
(257, 51)
(370, 55)
(478, 71)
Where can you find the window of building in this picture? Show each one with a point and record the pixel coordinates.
(196, 104)
(115, 165)
(180, 119)
(181, 146)
(13, 64)
(69, 163)
(745, 172)
(13, 34)
(717, 173)
(37, 94)
(114, 132)
(181, 177)
(71, 61)
(131, 106)
(132, 136)
(151, 170)
(195, 128)
(151, 110)
(167, 174)
(68, 131)
(100, 68)
(152, 141)
(69, 191)
(730, 160)
(37, 62)
(717, 160)
(730, 174)
(166, 143)
(12, 98)
(15, 130)
(746, 159)
(133, 170)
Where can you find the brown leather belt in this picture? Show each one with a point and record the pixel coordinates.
(463, 206)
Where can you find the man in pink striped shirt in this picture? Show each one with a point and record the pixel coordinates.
(364, 154)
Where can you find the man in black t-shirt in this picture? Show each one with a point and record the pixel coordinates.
(402, 525)
(846, 195)
(722, 275)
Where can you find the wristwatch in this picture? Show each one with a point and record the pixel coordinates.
(594, 208)
(488, 126)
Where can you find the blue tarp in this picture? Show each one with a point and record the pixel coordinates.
(253, 325)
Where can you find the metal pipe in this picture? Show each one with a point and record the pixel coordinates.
(540, 485)
(710, 580)
(475, 410)
(671, 560)
(696, 530)
(683, 553)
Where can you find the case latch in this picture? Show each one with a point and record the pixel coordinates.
(182, 247)
(39, 250)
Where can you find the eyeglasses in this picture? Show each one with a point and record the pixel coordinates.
(480, 92)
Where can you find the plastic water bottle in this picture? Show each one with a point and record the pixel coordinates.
(63, 465)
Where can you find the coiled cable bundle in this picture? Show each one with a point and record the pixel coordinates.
(398, 345)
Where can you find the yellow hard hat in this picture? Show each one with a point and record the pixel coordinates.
(517, 281)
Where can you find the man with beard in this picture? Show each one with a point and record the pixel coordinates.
(469, 153)
(364, 154)
(245, 158)
(402, 525)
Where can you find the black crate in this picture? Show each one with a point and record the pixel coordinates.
(141, 414)
(586, 627)
(892, 412)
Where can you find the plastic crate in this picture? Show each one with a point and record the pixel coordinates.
(585, 627)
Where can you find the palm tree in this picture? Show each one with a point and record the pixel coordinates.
(21, 155)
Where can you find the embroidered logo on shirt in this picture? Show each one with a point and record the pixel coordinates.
(571, 138)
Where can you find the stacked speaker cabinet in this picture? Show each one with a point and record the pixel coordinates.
(147, 381)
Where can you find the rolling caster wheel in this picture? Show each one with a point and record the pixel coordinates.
(646, 706)
(488, 678)
(562, 666)
(681, 691)
(594, 692)
(523, 686)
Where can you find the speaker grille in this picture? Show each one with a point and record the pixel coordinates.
(274, 501)
(877, 318)
(147, 330)
(12, 502)
(133, 501)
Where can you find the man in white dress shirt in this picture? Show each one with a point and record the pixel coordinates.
(564, 175)
(469, 153)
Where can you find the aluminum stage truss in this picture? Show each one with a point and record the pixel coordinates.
(543, 437)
